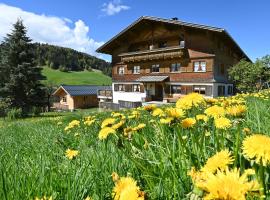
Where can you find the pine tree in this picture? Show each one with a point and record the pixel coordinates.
(20, 84)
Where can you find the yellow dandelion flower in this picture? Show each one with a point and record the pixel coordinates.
(72, 124)
(118, 125)
(128, 131)
(70, 154)
(44, 198)
(158, 112)
(236, 110)
(108, 122)
(89, 122)
(175, 112)
(150, 107)
(219, 161)
(115, 177)
(88, 198)
(257, 147)
(228, 184)
(246, 130)
(190, 100)
(188, 122)
(202, 117)
(207, 133)
(167, 120)
(104, 132)
(222, 123)
(215, 111)
(139, 127)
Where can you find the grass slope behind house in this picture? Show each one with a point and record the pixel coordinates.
(57, 77)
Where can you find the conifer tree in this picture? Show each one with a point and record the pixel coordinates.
(20, 77)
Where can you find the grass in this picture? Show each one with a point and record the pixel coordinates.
(57, 77)
(158, 157)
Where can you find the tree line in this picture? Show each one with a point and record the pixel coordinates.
(66, 59)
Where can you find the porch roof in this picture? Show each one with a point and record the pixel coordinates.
(151, 78)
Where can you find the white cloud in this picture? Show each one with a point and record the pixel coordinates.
(49, 29)
(113, 7)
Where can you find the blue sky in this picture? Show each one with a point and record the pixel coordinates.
(86, 24)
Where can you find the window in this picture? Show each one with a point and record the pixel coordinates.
(221, 90)
(175, 67)
(136, 88)
(121, 70)
(155, 68)
(121, 87)
(199, 89)
(136, 69)
(162, 44)
(200, 66)
(64, 99)
(176, 89)
(230, 90)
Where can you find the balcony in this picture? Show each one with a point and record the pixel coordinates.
(153, 54)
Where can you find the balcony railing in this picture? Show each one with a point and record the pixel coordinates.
(153, 54)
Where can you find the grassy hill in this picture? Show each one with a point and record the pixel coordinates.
(57, 77)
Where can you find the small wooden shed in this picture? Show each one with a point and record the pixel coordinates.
(71, 97)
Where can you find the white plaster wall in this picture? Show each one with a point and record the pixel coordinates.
(128, 96)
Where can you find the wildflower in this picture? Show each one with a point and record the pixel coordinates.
(175, 112)
(167, 120)
(202, 117)
(44, 198)
(70, 154)
(72, 124)
(104, 132)
(207, 133)
(190, 100)
(222, 123)
(89, 122)
(115, 177)
(150, 107)
(257, 147)
(237, 110)
(108, 122)
(118, 125)
(184, 137)
(158, 112)
(146, 144)
(139, 127)
(246, 130)
(215, 111)
(228, 184)
(128, 131)
(219, 161)
(88, 198)
(188, 122)
(126, 189)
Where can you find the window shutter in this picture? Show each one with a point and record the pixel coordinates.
(208, 91)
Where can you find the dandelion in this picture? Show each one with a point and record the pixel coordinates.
(126, 189)
(70, 154)
(220, 161)
(237, 110)
(88, 198)
(228, 184)
(158, 112)
(257, 147)
(246, 130)
(150, 107)
(190, 100)
(104, 132)
(222, 123)
(44, 198)
(202, 117)
(139, 127)
(167, 120)
(128, 131)
(72, 124)
(188, 122)
(215, 111)
(89, 122)
(175, 112)
(118, 125)
(115, 177)
(108, 122)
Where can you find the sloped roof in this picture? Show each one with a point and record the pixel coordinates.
(152, 78)
(82, 90)
(101, 49)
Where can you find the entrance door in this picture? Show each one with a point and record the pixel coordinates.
(158, 92)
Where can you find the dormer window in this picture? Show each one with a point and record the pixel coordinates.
(121, 70)
(199, 66)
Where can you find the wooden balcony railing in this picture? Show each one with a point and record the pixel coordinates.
(153, 54)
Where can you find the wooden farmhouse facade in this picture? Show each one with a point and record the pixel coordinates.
(157, 59)
(71, 97)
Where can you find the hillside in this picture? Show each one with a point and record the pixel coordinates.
(57, 77)
(67, 59)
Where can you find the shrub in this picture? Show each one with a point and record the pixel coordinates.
(14, 113)
(3, 108)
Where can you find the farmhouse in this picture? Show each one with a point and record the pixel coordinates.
(78, 96)
(157, 59)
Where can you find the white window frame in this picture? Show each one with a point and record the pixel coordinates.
(136, 88)
(121, 70)
(136, 69)
(199, 65)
